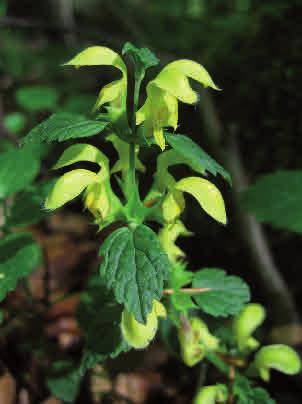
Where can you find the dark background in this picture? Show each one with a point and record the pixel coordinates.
(253, 50)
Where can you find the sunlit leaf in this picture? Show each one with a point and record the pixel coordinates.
(207, 195)
(81, 152)
(69, 186)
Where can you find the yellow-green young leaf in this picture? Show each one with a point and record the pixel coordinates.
(211, 395)
(123, 151)
(193, 70)
(177, 85)
(167, 237)
(110, 93)
(279, 357)
(159, 110)
(139, 335)
(81, 152)
(207, 195)
(195, 340)
(98, 56)
(69, 186)
(174, 79)
(172, 206)
(250, 318)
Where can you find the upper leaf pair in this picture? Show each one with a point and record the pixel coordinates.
(163, 93)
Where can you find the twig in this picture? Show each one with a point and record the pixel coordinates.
(186, 290)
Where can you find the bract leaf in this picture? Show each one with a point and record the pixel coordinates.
(207, 195)
(69, 186)
(140, 335)
(81, 152)
(279, 357)
(98, 56)
(246, 322)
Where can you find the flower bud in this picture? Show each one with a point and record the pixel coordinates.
(139, 335)
(251, 317)
(195, 340)
(279, 357)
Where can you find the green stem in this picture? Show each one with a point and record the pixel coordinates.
(132, 182)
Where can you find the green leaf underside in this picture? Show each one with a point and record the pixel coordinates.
(196, 157)
(19, 257)
(227, 294)
(64, 126)
(277, 199)
(18, 167)
(135, 268)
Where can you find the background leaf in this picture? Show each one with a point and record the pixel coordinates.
(27, 207)
(19, 257)
(14, 122)
(277, 199)
(226, 296)
(135, 268)
(37, 98)
(18, 167)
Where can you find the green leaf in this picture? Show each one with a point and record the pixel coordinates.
(180, 277)
(27, 207)
(19, 257)
(99, 316)
(142, 58)
(37, 98)
(18, 168)
(135, 268)
(64, 126)
(66, 387)
(207, 195)
(196, 157)
(14, 122)
(276, 199)
(68, 187)
(226, 295)
(246, 393)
